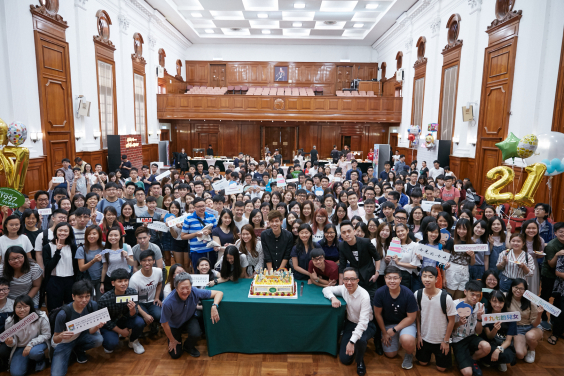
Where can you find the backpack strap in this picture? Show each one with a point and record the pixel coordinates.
(419, 297)
(444, 295)
(45, 240)
(68, 312)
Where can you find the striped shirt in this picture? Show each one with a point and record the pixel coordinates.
(193, 224)
(512, 270)
(22, 285)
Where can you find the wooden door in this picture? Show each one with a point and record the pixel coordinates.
(355, 143)
(344, 77)
(217, 75)
(272, 138)
(497, 85)
(205, 139)
(393, 141)
(288, 140)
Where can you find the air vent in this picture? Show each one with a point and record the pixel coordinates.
(235, 29)
(329, 22)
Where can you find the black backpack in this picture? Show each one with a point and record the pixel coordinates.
(66, 307)
(444, 295)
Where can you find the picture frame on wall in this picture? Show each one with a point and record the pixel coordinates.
(281, 73)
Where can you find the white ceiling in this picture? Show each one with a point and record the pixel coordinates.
(351, 22)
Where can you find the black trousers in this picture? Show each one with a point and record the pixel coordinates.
(558, 322)
(360, 344)
(546, 292)
(59, 291)
(194, 333)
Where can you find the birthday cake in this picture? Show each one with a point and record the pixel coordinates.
(273, 284)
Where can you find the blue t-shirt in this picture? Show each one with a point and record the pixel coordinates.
(95, 271)
(395, 310)
(177, 311)
(105, 203)
(192, 225)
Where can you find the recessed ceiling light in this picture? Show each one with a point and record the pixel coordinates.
(235, 29)
(299, 5)
(210, 31)
(358, 25)
(196, 14)
(266, 31)
(371, 6)
(297, 24)
(262, 15)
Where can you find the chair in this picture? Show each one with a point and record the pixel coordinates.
(362, 93)
(371, 94)
(347, 93)
(339, 93)
(237, 88)
(230, 88)
(354, 93)
(244, 88)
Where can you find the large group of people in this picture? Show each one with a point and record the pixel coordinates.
(333, 228)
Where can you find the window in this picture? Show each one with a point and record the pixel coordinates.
(106, 98)
(420, 67)
(140, 106)
(449, 102)
(418, 101)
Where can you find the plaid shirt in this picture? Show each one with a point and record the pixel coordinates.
(116, 310)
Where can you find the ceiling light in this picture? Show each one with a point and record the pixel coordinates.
(299, 5)
(329, 22)
(235, 29)
(297, 24)
(196, 14)
(209, 31)
(262, 15)
(358, 25)
(345, 60)
(266, 31)
(218, 58)
(371, 6)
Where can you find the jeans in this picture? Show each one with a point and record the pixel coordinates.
(111, 338)
(360, 344)
(59, 291)
(153, 310)
(504, 283)
(194, 333)
(476, 272)
(18, 364)
(61, 355)
(494, 256)
(416, 283)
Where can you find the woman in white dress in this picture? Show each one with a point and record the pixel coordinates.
(534, 245)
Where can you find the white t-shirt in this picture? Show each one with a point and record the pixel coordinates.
(242, 223)
(434, 172)
(21, 241)
(146, 286)
(39, 240)
(318, 236)
(117, 261)
(433, 321)
(408, 257)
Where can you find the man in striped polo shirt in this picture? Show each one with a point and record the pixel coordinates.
(193, 227)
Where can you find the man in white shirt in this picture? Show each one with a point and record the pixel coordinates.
(353, 208)
(436, 170)
(238, 216)
(148, 283)
(140, 206)
(359, 327)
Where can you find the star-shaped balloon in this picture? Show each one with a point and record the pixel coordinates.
(508, 147)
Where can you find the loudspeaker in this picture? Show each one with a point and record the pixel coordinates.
(444, 153)
(114, 156)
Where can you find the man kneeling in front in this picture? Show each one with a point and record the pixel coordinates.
(178, 315)
(359, 327)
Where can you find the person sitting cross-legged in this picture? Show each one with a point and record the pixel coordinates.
(359, 327)
(178, 315)
(67, 342)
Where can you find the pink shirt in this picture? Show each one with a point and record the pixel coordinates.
(449, 194)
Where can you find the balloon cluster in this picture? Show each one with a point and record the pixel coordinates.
(15, 171)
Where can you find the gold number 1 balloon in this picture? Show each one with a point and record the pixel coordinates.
(493, 196)
(527, 194)
(15, 171)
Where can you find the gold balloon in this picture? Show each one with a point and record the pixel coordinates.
(493, 196)
(15, 171)
(535, 172)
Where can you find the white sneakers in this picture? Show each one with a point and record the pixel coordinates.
(530, 357)
(137, 347)
(502, 367)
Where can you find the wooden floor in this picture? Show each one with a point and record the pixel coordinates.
(156, 361)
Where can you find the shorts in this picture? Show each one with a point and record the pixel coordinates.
(180, 246)
(463, 350)
(394, 342)
(456, 277)
(424, 354)
(523, 329)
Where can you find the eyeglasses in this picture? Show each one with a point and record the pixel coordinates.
(330, 233)
(15, 259)
(200, 206)
(392, 278)
(349, 279)
(4, 290)
(518, 289)
(401, 218)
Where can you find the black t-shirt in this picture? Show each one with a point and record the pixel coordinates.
(125, 171)
(395, 310)
(424, 171)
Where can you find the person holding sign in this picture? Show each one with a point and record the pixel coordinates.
(407, 261)
(500, 334)
(458, 272)
(148, 282)
(515, 262)
(193, 227)
(68, 342)
(30, 342)
(528, 330)
(115, 257)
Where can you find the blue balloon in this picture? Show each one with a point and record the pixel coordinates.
(549, 170)
(546, 162)
(556, 163)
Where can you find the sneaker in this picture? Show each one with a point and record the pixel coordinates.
(154, 330)
(546, 326)
(137, 347)
(193, 352)
(530, 357)
(40, 366)
(476, 371)
(108, 351)
(407, 362)
(81, 356)
(502, 368)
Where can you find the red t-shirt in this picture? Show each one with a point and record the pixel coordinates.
(450, 194)
(331, 270)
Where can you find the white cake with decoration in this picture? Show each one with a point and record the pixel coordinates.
(274, 284)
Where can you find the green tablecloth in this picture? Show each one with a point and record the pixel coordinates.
(260, 325)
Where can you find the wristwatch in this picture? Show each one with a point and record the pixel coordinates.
(500, 349)
(317, 280)
(394, 329)
(478, 320)
(216, 306)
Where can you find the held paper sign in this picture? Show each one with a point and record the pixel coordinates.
(161, 211)
(175, 221)
(292, 180)
(158, 226)
(126, 298)
(234, 189)
(44, 211)
(89, 321)
(58, 179)
(280, 181)
(431, 253)
(471, 247)
(144, 220)
(19, 326)
(220, 185)
(200, 280)
(427, 205)
(501, 317)
(336, 179)
(539, 301)
(163, 175)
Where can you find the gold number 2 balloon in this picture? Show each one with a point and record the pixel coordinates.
(15, 172)
(493, 196)
(535, 172)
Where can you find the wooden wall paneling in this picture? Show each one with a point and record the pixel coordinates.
(54, 84)
(497, 87)
(197, 72)
(329, 135)
(36, 178)
(150, 153)
(250, 139)
(288, 143)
